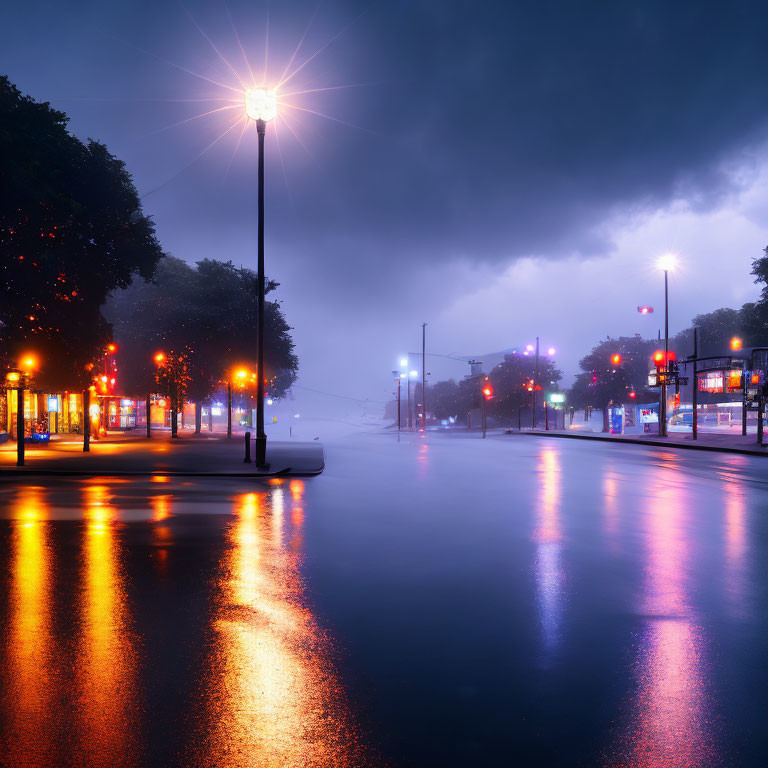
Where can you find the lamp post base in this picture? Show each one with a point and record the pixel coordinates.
(261, 452)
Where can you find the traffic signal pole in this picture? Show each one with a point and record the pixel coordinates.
(423, 377)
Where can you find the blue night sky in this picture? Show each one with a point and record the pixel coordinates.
(500, 170)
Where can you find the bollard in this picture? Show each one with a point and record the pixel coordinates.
(247, 459)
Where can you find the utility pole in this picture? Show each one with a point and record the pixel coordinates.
(396, 374)
(423, 377)
(663, 403)
(744, 399)
(408, 420)
(695, 396)
(535, 384)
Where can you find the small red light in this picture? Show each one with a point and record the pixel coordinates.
(632, 395)
(658, 357)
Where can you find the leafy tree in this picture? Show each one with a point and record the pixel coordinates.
(716, 329)
(511, 380)
(173, 378)
(71, 231)
(208, 310)
(510, 387)
(603, 382)
(447, 398)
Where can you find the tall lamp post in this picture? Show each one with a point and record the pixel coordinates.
(400, 376)
(536, 386)
(666, 264)
(14, 379)
(261, 106)
(412, 375)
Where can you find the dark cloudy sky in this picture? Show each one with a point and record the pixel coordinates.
(496, 169)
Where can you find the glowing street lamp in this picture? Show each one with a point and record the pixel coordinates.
(15, 380)
(550, 353)
(261, 106)
(159, 358)
(736, 343)
(28, 363)
(667, 262)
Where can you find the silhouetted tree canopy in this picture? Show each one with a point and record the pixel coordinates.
(603, 383)
(509, 380)
(71, 231)
(209, 312)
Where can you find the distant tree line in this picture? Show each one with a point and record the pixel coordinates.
(511, 381)
(602, 382)
(80, 267)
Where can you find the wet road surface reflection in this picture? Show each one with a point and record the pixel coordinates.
(77, 672)
(270, 693)
(438, 600)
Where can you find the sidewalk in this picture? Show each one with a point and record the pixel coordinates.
(743, 444)
(134, 455)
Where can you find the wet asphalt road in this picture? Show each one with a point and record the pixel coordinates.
(433, 601)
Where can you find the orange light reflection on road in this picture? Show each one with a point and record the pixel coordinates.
(670, 717)
(29, 676)
(107, 662)
(161, 532)
(548, 535)
(272, 697)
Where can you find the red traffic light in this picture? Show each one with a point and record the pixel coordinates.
(645, 310)
(616, 359)
(488, 392)
(632, 394)
(659, 357)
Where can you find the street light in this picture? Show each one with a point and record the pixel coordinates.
(15, 380)
(261, 106)
(736, 343)
(411, 375)
(550, 353)
(666, 263)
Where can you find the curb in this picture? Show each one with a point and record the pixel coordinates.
(287, 472)
(646, 443)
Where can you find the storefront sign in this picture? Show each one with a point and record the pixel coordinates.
(53, 405)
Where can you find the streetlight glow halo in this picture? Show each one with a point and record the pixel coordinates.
(261, 104)
(667, 262)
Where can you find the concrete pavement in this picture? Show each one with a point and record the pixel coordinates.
(725, 443)
(133, 454)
